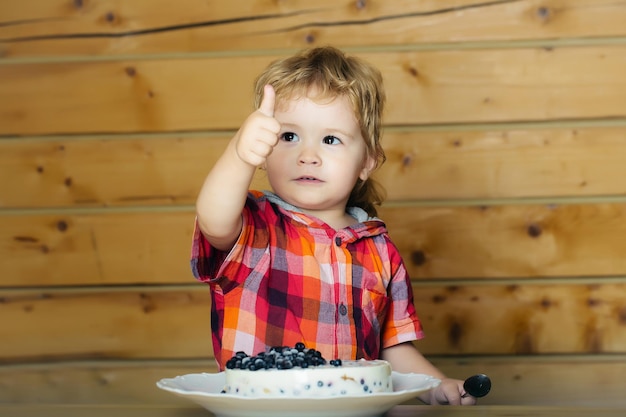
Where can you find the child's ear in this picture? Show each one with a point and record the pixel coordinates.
(368, 167)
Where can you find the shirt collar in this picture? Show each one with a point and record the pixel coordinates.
(366, 226)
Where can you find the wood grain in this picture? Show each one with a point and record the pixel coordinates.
(116, 171)
(516, 380)
(112, 113)
(510, 241)
(427, 87)
(96, 249)
(153, 323)
(522, 241)
(446, 165)
(522, 319)
(132, 323)
(47, 28)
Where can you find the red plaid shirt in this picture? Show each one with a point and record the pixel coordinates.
(292, 278)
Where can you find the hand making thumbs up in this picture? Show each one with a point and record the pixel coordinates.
(259, 133)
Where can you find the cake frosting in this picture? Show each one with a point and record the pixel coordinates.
(336, 378)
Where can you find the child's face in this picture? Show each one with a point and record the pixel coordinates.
(320, 154)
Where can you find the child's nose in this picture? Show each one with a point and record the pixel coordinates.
(308, 156)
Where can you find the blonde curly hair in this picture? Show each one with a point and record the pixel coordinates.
(332, 73)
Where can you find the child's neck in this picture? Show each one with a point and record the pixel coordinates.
(335, 219)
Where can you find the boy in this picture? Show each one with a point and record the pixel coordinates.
(309, 262)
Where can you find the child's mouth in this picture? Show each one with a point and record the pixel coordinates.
(307, 179)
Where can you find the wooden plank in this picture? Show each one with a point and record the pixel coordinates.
(508, 163)
(57, 27)
(581, 380)
(472, 164)
(522, 318)
(436, 242)
(124, 323)
(148, 323)
(510, 241)
(95, 249)
(426, 87)
(103, 382)
(578, 381)
(116, 171)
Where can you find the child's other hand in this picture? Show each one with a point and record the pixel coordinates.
(259, 133)
(450, 391)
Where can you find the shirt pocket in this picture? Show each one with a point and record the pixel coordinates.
(375, 305)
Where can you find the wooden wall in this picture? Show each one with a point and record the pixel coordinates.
(506, 142)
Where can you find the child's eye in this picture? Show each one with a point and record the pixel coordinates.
(289, 137)
(331, 140)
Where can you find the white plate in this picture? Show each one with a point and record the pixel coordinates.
(205, 389)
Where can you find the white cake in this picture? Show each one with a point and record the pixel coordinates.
(359, 377)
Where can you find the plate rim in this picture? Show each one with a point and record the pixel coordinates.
(429, 383)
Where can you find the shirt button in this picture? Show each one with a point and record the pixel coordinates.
(338, 241)
(343, 310)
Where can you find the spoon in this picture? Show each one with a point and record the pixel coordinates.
(477, 386)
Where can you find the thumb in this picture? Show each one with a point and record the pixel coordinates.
(267, 104)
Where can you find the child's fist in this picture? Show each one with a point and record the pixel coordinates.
(259, 133)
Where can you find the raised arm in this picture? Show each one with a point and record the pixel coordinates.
(223, 194)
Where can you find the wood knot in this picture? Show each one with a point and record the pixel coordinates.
(407, 160)
(110, 17)
(361, 4)
(534, 230)
(68, 182)
(79, 4)
(147, 304)
(438, 299)
(455, 333)
(309, 38)
(25, 239)
(622, 316)
(130, 71)
(546, 303)
(544, 13)
(593, 302)
(61, 225)
(418, 258)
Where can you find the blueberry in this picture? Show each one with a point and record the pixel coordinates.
(335, 362)
(279, 357)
